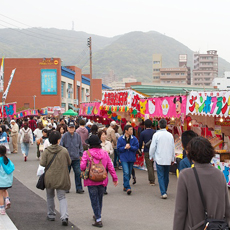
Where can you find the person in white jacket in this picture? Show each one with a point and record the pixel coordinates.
(107, 146)
(26, 138)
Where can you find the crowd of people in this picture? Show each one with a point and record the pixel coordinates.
(67, 144)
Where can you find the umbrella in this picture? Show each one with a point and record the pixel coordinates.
(70, 112)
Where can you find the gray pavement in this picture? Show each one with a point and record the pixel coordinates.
(142, 210)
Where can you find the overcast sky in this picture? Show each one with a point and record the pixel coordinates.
(198, 24)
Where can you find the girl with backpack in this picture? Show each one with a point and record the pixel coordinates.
(26, 138)
(6, 179)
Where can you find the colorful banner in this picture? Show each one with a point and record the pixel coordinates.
(223, 167)
(25, 113)
(163, 107)
(90, 109)
(127, 98)
(9, 110)
(209, 103)
(48, 81)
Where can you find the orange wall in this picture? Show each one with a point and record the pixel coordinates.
(27, 81)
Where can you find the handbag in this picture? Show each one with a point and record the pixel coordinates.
(210, 224)
(41, 180)
(41, 147)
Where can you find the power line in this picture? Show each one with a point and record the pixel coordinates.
(37, 28)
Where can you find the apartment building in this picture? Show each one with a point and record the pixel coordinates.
(205, 68)
(222, 83)
(157, 64)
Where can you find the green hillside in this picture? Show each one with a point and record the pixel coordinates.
(127, 55)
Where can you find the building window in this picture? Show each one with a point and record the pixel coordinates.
(156, 62)
(62, 88)
(228, 87)
(69, 90)
(168, 73)
(63, 105)
(177, 73)
(156, 70)
(182, 74)
(218, 83)
(87, 95)
(162, 73)
(27, 105)
(82, 94)
(228, 77)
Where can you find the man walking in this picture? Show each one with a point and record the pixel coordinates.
(83, 132)
(14, 134)
(72, 142)
(162, 151)
(146, 136)
(127, 146)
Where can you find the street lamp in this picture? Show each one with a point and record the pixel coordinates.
(34, 100)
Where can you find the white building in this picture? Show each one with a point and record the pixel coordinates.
(222, 83)
(121, 84)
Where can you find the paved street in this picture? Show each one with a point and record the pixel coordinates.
(142, 210)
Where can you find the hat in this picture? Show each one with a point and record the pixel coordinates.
(113, 123)
(89, 123)
(12, 121)
(93, 140)
(71, 124)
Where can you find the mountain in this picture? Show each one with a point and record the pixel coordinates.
(127, 55)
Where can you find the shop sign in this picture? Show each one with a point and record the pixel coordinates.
(127, 98)
(163, 106)
(209, 103)
(48, 81)
(89, 109)
(9, 110)
(223, 121)
(49, 62)
(217, 130)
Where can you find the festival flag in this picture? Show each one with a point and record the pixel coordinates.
(1, 76)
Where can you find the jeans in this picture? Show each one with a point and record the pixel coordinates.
(96, 196)
(77, 172)
(116, 158)
(127, 170)
(51, 206)
(25, 148)
(163, 177)
(150, 168)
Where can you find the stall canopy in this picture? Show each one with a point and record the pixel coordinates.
(70, 112)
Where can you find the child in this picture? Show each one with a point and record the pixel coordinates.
(42, 139)
(185, 138)
(6, 180)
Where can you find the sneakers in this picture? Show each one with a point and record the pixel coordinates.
(80, 191)
(164, 196)
(25, 158)
(134, 180)
(51, 218)
(129, 191)
(152, 183)
(65, 222)
(2, 210)
(7, 203)
(98, 224)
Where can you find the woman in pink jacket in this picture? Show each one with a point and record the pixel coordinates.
(96, 189)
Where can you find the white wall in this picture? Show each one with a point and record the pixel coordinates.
(223, 83)
(65, 99)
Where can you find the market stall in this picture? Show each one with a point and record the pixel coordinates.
(209, 114)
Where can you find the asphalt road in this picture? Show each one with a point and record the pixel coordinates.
(144, 209)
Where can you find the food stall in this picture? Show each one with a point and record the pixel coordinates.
(210, 117)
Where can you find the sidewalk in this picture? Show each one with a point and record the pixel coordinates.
(28, 211)
(6, 223)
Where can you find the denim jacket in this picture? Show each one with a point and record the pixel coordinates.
(73, 144)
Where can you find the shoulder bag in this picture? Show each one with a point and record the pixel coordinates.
(210, 224)
(41, 180)
(85, 174)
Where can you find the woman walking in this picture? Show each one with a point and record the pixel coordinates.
(96, 189)
(189, 210)
(38, 135)
(6, 180)
(3, 138)
(57, 176)
(26, 138)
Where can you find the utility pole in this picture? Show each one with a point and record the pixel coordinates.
(89, 43)
(34, 101)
